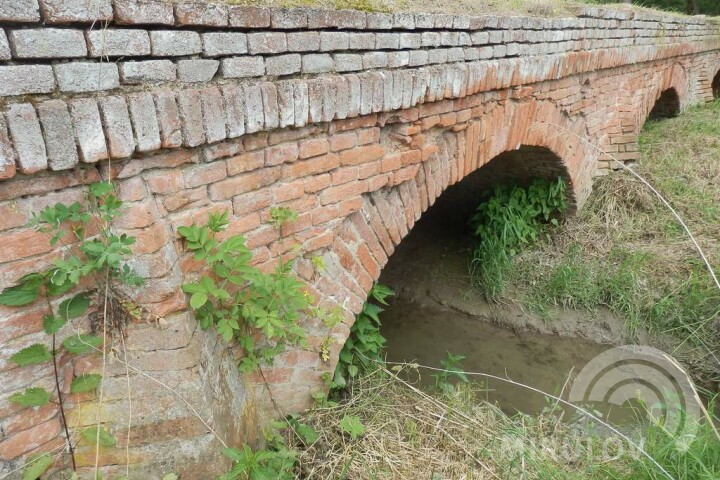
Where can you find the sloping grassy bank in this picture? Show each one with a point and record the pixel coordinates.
(625, 251)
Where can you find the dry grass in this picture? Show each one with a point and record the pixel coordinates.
(540, 8)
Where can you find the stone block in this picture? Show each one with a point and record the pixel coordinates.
(234, 98)
(26, 79)
(170, 43)
(201, 14)
(240, 67)
(118, 127)
(216, 44)
(283, 64)
(7, 153)
(59, 138)
(145, 122)
(27, 137)
(410, 40)
(190, 107)
(375, 60)
(362, 41)
(288, 18)
(148, 71)
(343, 19)
(143, 12)
(267, 42)
(330, 41)
(4, 46)
(213, 112)
(303, 41)
(317, 63)
(249, 17)
(384, 41)
(48, 43)
(86, 77)
(195, 71)
(348, 62)
(19, 11)
(88, 130)
(118, 43)
(169, 119)
(82, 11)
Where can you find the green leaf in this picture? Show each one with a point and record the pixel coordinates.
(32, 397)
(105, 438)
(85, 383)
(352, 425)
(19, 295)
(307, 433)
(52, 324)
(36, 465)
(198, 299)
(81, 343)
(74, 307)
(32, 355)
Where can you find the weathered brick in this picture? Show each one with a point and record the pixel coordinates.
(234, 98)
(317, 63)
(387, 41)
(48, 43)
(59, 138)
(379, 21)
(313, 147)
(67, 11)
(197, 70)
(169, 43)
(5, 53)
(283, 64)
(330, 41)
(240, 67)
(362, 154)
(243, 183)
(29, 440)
(348, 62)
(245, 162)
(375, 60)
(118, 43)
(87, 77)
(169, 119)
(144, 12)
(303, 41)
(288, 18)
(217, 44)
(254, 115)
(88, 130)
(7, 154)
(267, 42)
(19, 11)
(193, 130)
(25, 79)
(311, 166)
(362, 41)
(213, 111)
(279, 154)
(145, 122)
(249, 17)
(344, 19)
(118, 127)
(27, 137)
(201, 13)
(148, 71)
(204, 174)
(268, 92)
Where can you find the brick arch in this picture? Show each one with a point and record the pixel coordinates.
(715, 85)
(367, 238)
(669, 97)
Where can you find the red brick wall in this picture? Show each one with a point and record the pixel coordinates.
(359, 157)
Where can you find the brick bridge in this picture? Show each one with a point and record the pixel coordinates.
(358, 122)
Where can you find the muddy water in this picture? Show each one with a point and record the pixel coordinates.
(436, 311)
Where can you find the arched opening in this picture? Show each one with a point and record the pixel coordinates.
(716, 85)
(436, 310)
(667, 106)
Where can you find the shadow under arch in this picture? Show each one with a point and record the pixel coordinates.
(668, 98)
(666, 106)
(716, 85)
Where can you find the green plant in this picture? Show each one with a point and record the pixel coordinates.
(259, 465)
(352, 425)
(365, 342)
(452, 369)
(240, 300)
(512, 217)
(90, 248)
(279, 216)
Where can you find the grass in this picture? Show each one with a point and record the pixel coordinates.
(542, 8)
(625, 252)
(454, 434)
